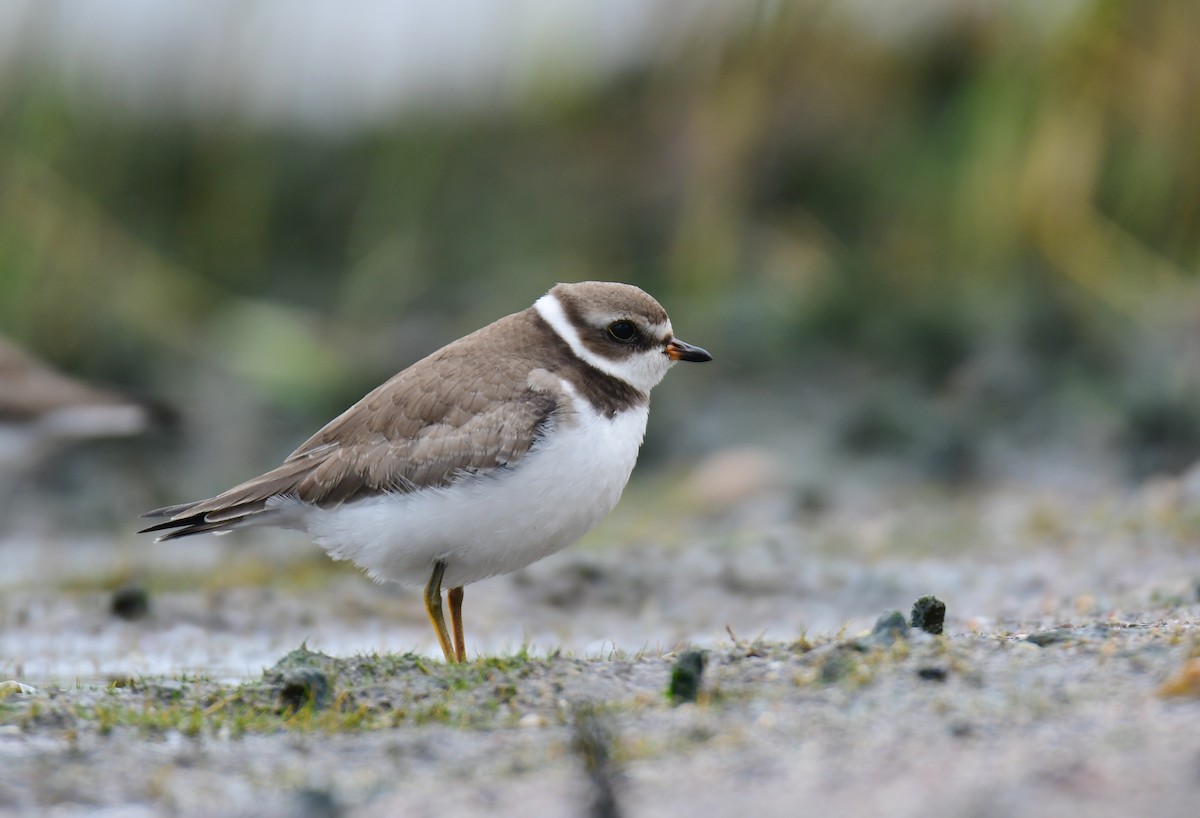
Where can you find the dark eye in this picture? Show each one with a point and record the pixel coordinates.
(623, 331)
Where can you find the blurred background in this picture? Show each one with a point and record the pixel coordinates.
(945, 245)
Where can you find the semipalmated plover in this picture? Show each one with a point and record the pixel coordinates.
(42, 410)
(493, 452)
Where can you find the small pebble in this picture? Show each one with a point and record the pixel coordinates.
(130, 603)
(13, 687)
(766, 719)
(890, 627)
(686, 676)
(1043, 638)
(532, 720)
(311, 803)
(929, 614)
(961, 729)
(303, 676)
(302, 686)
(932, 674)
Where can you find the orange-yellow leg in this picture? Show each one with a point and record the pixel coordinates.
(455, 596)
(433, 606)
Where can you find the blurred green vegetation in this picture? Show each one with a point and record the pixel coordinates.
(806, 196)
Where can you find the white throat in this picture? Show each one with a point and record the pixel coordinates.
(642, 371)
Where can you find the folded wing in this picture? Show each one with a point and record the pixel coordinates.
(420, 429)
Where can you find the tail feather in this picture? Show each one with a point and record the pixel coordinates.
(236, 513)
(182, 524)
(190, 525)
(170, 511)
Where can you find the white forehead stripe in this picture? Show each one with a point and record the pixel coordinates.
(660, 330)
(552, 313)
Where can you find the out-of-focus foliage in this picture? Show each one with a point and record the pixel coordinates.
(805, 192)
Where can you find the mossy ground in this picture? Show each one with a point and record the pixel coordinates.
(855, 718)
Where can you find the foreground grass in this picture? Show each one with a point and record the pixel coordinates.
(304, 692)
(310, 692)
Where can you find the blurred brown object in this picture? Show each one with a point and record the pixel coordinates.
(42, 410)
(741, 477)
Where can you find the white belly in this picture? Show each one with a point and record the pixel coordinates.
(493, 524)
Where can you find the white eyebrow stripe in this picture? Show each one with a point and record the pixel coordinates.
(552, 313)
(660, 330)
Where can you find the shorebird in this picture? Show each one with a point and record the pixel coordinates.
(497, 450)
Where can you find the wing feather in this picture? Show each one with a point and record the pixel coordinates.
(419, 429)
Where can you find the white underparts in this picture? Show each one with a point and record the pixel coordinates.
(495, 523)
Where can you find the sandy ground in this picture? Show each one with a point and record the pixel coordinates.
(567, 712)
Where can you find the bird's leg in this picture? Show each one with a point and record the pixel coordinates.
(455, 596)
(433, 606)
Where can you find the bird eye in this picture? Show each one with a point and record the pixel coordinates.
(623, 331)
